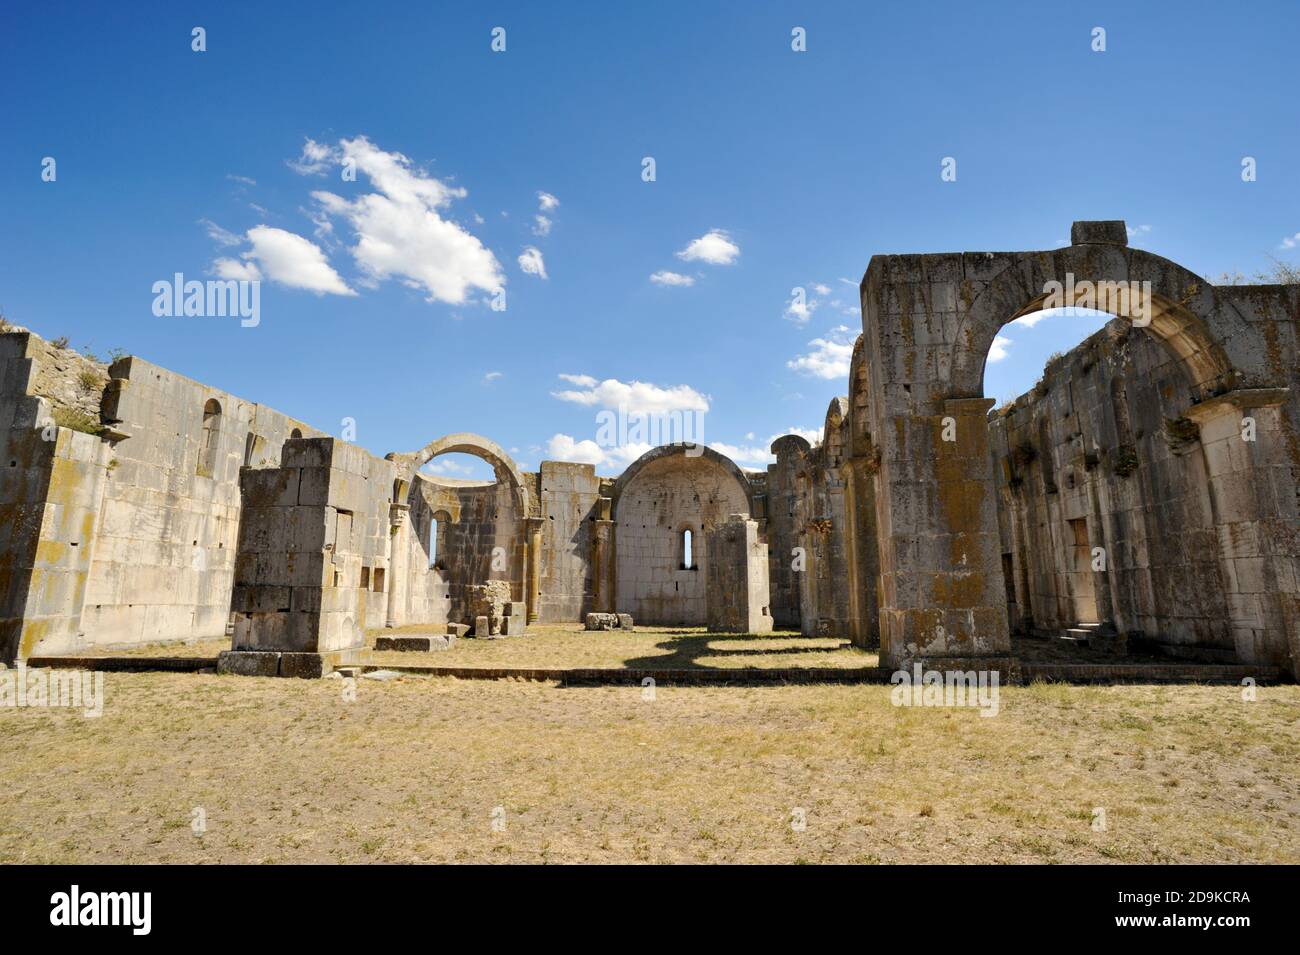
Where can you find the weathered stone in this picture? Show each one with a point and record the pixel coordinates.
(412, 643)
(625, 621)
(457, 629)
(602, 621)
(482, 628)
(248, 663)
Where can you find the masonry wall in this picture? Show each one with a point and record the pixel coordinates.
(736, 578)
(569, 495)
(665, 497)
(783, 531)
(314, 533)
(489, 520)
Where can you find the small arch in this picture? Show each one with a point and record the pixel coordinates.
(296, 433)
(210, 440)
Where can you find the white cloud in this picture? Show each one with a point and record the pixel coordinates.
(400, 230)
(242, 180)
(237, 270)
(1135, 231)
(546, 201)
(1000, 348)
(491, 376)
(449, 466)
(664, 277)
(821, 289)
(291, 260)
(1291, 242)
(830, 356)
(315, 159)
(531, 262)
(542, 226)
(811, 435)
(218, 234)
(564, 447)
(800, 312)
(714, 247)
(633, 398)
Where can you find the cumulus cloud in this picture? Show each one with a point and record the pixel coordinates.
(633, 398)
(541, 226)
(291, 260)
(235, 269)
(564, 447)
(829, 357)
(491, 376)
(546, 201)
(1291, 242)
(664, 277)
(760, 456)
(714, 247)
(531, 262)
(1000, 348)
(401, 231)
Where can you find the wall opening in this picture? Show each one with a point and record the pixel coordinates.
(210, 439)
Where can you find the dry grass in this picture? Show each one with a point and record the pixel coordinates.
(412, 770)
(682, 648)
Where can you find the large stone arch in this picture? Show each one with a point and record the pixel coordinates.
(501, 521)
(929, 321)
(464, 442)
(666, 491)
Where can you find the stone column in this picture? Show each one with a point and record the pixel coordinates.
(533, 532)
(1253, 501)
(399, 552)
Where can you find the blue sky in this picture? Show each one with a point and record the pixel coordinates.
(774, 170)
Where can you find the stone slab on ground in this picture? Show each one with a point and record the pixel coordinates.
(413, 643)
(458, 629)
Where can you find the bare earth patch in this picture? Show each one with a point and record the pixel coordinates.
(417, 770)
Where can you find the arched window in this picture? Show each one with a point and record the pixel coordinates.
(210, 440)
(688, 556)
(296, 433)
(437, 532)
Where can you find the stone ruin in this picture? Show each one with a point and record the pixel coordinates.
(1144, 493)
(609, 621)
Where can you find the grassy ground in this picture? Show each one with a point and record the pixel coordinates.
(417, 769)
(682, 648)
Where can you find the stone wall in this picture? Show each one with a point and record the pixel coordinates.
(782, 529)
(664, 494)
(736, 578)
(571, 570)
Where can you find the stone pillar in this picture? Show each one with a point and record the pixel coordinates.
(860, 553)
(533, 530)
(1253, 501)
(736, 585)
(602, 562)
(399, 556)
(940, 557)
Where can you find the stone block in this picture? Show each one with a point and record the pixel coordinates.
(602, 621)
(482, 628)
(513, 626)
(306, 666)
(249, 663)
(457, 630)
(413, 643)
(625, 621)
